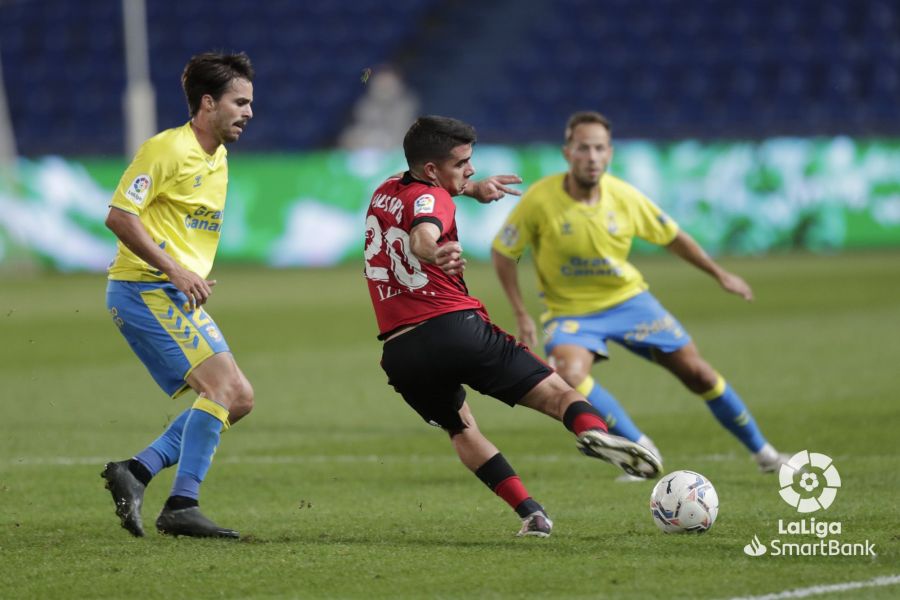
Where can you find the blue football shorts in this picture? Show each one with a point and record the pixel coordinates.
(640, 324)
(158, 324)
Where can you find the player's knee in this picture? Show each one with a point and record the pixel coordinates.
(243, 397)
(237, 395)
(453, 432)
(469, 426)
(700, 378)
(571, 371)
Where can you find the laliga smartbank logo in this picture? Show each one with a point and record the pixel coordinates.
(809, 482)
(816, 475)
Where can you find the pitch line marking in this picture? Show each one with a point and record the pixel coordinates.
(826, 589)
(69, 461)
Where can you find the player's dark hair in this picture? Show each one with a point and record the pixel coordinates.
(212, 73)
(586, 116)
(432, 139)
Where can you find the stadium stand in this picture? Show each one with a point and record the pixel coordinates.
(673, 69)
(663, 69)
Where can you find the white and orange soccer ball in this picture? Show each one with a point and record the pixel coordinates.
(684, 502)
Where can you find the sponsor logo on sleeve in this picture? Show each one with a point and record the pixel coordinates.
(509, 237)
(137, 191)
(424, 204)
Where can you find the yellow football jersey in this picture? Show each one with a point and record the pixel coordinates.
(580, 251)
(178, 192)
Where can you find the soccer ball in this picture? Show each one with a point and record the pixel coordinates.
(684, 502)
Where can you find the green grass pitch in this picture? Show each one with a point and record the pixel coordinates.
(341, 491)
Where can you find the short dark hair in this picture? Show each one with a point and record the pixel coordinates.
(586, 116)
(212, 73)
(433, 138)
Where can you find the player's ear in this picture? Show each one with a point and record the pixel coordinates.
(207, 102)
(430, 170)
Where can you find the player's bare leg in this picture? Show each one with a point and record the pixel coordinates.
(574, 363)
(470, 444)
(225, 396)
(698, 376)
(555, 398)
(488, 464)
(689, 367)
(219, 377)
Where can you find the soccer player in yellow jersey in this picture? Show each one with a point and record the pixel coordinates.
(580, 226)
(167, 213)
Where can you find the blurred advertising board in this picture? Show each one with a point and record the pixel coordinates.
(308, 209)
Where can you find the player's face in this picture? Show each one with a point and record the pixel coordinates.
(588, 153)
(453, 173)
(232, 111)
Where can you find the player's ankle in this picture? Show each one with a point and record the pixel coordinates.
(180, 502)
(140, 472)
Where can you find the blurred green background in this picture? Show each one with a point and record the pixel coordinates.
(306, 209)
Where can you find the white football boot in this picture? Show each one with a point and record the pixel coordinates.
(629, 456)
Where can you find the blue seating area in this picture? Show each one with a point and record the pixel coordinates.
(660, 69)
(64, 74)
(698, 68)
(64, 69)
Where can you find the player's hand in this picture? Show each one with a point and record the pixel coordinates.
(197, 289)
(527, 330)
(736, 285)
(448, 258)
(493, 188)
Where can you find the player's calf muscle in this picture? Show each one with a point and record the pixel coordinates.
(552, 396)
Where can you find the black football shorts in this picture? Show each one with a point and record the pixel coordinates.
(429, 364)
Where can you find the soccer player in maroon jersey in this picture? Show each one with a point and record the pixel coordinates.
(438, 337)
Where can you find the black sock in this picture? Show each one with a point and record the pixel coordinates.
(179, 502)
(495, 470)
(139, 471)
(577, 409)
(528, 506)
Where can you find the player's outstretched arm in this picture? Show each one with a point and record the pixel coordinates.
(508, 275)
(493, 188)
(129, 229)
(685, 247)
(447, 257)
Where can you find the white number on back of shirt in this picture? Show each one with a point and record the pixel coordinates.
(405, 266)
